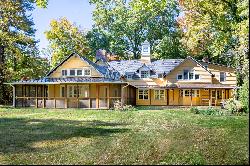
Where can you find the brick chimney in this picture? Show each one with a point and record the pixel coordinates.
(105, 56)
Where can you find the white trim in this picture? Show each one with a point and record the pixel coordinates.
(143, 93)
(159, 94)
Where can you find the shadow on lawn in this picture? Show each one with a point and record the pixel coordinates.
(18, 134)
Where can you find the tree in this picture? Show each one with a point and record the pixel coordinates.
(130, 23)
(17, 43)
(65, 38)
(211, 27)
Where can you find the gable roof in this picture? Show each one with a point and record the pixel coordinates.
(99, 69)
(190, 58)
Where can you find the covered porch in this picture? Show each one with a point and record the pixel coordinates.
(72, 95)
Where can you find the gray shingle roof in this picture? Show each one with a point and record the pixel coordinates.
(131, 66)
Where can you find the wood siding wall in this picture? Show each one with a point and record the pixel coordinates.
(74, 62)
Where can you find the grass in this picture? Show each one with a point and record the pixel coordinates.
(74, 136)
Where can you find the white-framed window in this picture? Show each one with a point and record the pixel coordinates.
(179, 77)
(83, 90)
(76, 72)
(145, 49)
(64, 72)
(196, 76)
(129, 76)
(62, 91)
(222, 76)
(191, 75)
(160, 75)
(144, 73)
(159, 94)
(185, 74)
(143, 94)
(87, 72)
(79, 72)
(187, 92)
(188, 75)
(72, 91)
(72, 72)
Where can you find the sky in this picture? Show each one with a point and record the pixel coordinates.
(77, 11)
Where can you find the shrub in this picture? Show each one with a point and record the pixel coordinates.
(244, 95)
(233, 106)
(194, 110)
(119, 107)
(209, 111)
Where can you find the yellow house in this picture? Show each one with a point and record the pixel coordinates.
(80, 83)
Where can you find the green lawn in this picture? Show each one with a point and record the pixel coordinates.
(74, 136)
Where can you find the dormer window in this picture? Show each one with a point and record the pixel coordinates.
(144, 74)
(160, 75)
(129, 76)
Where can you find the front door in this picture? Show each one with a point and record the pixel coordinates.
(213, 97)
(103, 94)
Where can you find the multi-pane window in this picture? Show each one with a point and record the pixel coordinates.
(129, 76)
(188, 75)
(79, 72)
(159, 94)
(179, 77)
(143, 94)
(144, 74)
(87, 72)
(219, 94)
(72, 91)
(185, 74)
(181, 93)
(222, 76)
(76, 72)
(187, 92)
(64, 72)
(197, 76)
(191, 75)
(72, 72)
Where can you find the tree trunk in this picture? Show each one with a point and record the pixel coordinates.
(3, 95)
